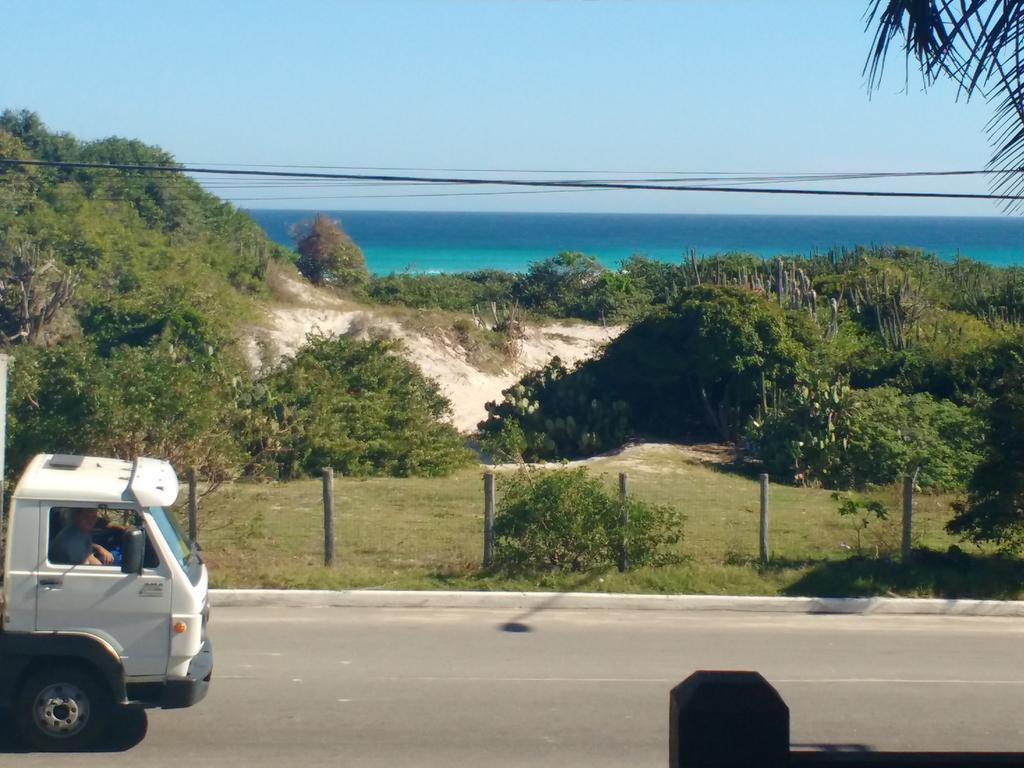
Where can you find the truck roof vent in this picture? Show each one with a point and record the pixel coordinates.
(66, 461)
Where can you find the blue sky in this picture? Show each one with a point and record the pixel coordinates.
(649, 85)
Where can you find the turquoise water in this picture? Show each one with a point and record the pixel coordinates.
(459, 241)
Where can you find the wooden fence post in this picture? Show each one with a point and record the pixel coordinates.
(623, 497)
(764, 520)
(193, 506)
(488, 518)
(908, 513)
(328, 476)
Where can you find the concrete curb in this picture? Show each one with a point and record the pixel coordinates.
(534, 601)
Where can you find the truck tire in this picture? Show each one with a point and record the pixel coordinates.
(62, 710)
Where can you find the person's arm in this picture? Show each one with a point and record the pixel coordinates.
(99, 556)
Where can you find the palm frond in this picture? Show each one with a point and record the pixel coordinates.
(977, 44)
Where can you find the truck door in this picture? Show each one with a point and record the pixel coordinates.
(131, 611)
(24, 553)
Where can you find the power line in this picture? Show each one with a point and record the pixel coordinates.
(573, 184)
(737, 174)
(418, 194)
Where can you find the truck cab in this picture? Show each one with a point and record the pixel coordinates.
(125, 624)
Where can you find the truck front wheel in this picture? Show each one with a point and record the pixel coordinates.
(62, 709)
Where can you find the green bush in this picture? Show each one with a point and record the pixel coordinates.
(566, 520)
(137, 401)
(561, 286)
(993, 510)
(555, 413)
(507, 443)
(697, 370)
(846, 438)
(860, 513)
(458, 292)
(357, 407)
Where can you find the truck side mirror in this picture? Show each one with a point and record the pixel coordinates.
(133, 550)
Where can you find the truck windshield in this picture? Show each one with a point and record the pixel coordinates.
(172, 534)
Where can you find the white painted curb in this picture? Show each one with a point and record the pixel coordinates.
(533, 601)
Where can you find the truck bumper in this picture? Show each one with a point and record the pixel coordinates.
(192, 688)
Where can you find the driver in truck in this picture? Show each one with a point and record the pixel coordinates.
(74, 544)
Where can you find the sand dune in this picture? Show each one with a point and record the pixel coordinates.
(303, 309)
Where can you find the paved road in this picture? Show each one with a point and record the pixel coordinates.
(373, 687)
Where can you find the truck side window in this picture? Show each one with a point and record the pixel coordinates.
(68, 546)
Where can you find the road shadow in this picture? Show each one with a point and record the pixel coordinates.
(953, 574)
(129, 726)
(519, 624)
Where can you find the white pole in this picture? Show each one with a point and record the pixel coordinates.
(764, 520)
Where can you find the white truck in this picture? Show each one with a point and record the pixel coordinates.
(78, 639)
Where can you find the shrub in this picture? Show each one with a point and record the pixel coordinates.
(860, 513)
(703, 366)
(508, 443)
(566, 520)
(994, 507)
(698, 370)
(560, 414)
(138, 401)
(358, 408)
(844, 438)
(327, 254)
(561, 286)
(455, 292)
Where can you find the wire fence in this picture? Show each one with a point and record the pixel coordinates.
(439, 525)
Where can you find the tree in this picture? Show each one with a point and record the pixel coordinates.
(976, 44)
(327, 255)
(994, 507)
(33, 288)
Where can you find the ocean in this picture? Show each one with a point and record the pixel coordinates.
(465, 241)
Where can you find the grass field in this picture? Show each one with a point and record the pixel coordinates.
(428, 533)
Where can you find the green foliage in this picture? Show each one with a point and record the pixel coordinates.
(565, 285)
(508, 443)
(140, 320)
(706, 360)
(854, 438)
(359, 408)
(457, 292)
(802, 441)
(697, 370)
(327, 255)
(134, 401)
(561, 286)
(860, 512)
(994, 507)
(660, 281)
(141, 356)
(558, 413)
(566, 520)
(117, 232)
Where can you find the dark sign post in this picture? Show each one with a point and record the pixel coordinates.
(727, 720)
